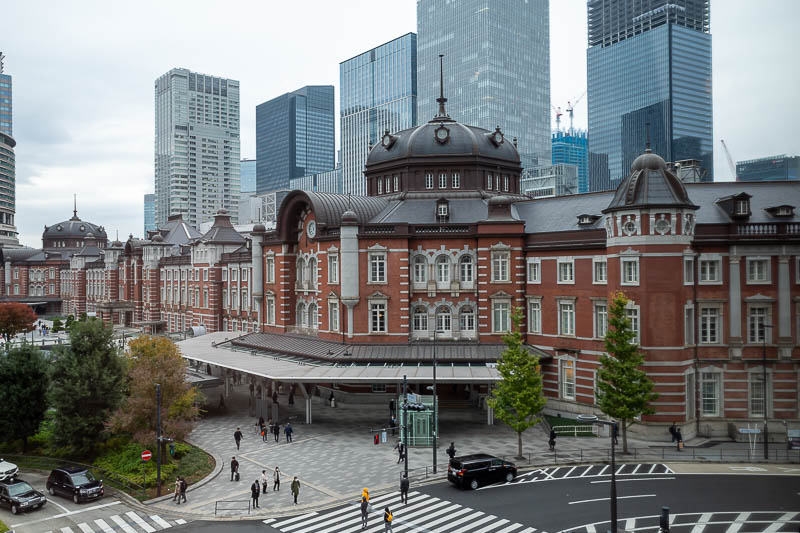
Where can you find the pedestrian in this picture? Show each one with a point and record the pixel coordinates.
(275, 397)
(295, 488)
(391, 408)
(451, 451)
(330, 400)
(387, 520)
(679, 439)
(255, 490)
(364, 512)
(221, 401)
(291, 397)
(183, 491)
(393, 425)
(401, 451)
(263, 427)
(237, 436)
(276, 479)
(673, 431)
(264, 481)
(268, 430)
(404, 489)
(288, 430)
(615, 432)
(234, 467)
(276, 431)
(552, 441)
(177, 495)
(365, 494)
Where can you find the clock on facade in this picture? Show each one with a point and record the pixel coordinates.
(442, 134)
(311, 229)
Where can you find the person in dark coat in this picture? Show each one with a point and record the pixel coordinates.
(364, 512)
(615, 432)
(295, 489)
(234, 467)
(391, 408)
(276, 431)
(237, 436)
(255, 491)
(288, 430)
(679, 440)
(184, 487)
(275, 397)
(276, 479)
(673, 431)
(404, 489)
(552, 441)
(401, 451)
(451, 451)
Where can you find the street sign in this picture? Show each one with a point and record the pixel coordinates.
(146, 455)
(749, 431)
(412, 398)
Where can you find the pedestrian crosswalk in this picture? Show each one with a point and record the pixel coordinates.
(422, 513)
(592, 471)
(130, 522)
(711, 522)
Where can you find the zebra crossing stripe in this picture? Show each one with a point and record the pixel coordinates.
(405, 520)
(457, 522)
(738, 523)
(630, 524)
(418, 508)
(591, 529)
(588, 469)
(140, 522)
(160, 521)
(295, 519)
(86, 528)
(510, 528)
(528, 530)
(66, 530)
(102, 524)
(492, 526)
(780, 522)
(122, 524)
(351, 516)
(180, 521)
(449, 516)
(475, 524)
(268, 520)
(705, 518)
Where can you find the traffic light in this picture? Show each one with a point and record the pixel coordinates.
(171, 448)
(377, 439)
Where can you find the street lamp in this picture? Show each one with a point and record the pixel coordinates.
(764, 377)
(595, 420)
(435, 427)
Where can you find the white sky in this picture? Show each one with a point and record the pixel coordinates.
(84, 71)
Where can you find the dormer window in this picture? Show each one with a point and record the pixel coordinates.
(587, 220)
(742, 207)
(442, 210)
(781, 210)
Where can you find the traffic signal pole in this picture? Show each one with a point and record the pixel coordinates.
(405, 423)
(158, 439)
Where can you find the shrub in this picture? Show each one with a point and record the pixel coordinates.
(57, 325)
(125, 461)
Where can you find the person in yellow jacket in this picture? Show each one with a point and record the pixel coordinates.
(387, 520)
(365, 494)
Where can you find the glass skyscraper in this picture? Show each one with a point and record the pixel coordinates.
(572, 147)
(496, 67)
(294, 136)
(247, 174)
(149, 213)
(8, 194)
(6, 122)
(378, 92)
(648, 62)
(196, 146)
(774, 168)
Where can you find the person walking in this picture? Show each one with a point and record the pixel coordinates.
(291, 397)
(276, 431)
(264, 481)
(255, 490)
(183, 491)
(275, 397)
(387, 520)
(234, 467)
(276, 479)
(288, 430)
(237, 436)
(404, 489)
(673, 431)
(364, 512)
(295, 488)
(268, 430)
(679, 440)
(365, 494)
(552, 441)
(615, 432)
(393, 425)
(401, 450)
(177, 495)
(391, 408)
(451, 451)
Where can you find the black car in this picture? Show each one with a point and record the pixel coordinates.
(479, 469)
(74, 482)
(19, 496)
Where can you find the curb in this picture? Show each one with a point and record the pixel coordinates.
(214, 473)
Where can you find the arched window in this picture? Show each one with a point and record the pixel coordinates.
(466, 271)
(467, 319)
(443, 269)
(420, 269)
(420, 319)
(312, 272)
(313, 316)
(443, 320)
(300, 319)
(300, 269)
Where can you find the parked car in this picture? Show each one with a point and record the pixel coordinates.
(19, 496)
(479, 469)
(74, 482)
(7, 470)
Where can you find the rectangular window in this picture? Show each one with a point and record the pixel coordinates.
(688, 325)
(225, 300)
(566, 271)
(377, 317)
(333, 268)
(710, 270)
(333, 316)
(505, 183)
(396, 183)
(688, 270)
(500, 317)
(442, 180)
(758, 406)
(467, 320)
(205, 298)
(600, 271)
(535, 272)
(224, 274)
(245, 300)
(270, 310)
(600, 320)
(500, 266)
(709, 393)
(709, 325)
(380, 186)
(205, 274)
(234, 273)
(632, 314)
(429, 181)
(377, 268)
(757, 270)
(535, 317)
(630, 271)
(270, 270)
(566, 318)
(757, 317)
(568, 379)
(456, 180)
(489, 182)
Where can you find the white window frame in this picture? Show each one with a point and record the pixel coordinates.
(396, 183)
(419, 320)
(501, 260)
(599, 266)
(534, 270)
(566, 317)
(375, 325)
(689, 325)
(419, 269)
(270, 310)
(333, 269)
(501, 316)
(705, 261)
(376, 276)
(688, 270)
(466, 269)
(224, 274)
(456, 178)
(600, 319)
(443, 320)
(634, 315)
(629, 271)
(443, 269)
(429, 181)
(765, 275)
(270, 269)
(704, 328)
(567, 387)
(565, 275)
(333, 316)
(488, 182)
(753, 322)
(753, 377)
(466, 321)
(442, 180)
(380, 185)
(535, 315)
(505, 183)
(714, 377)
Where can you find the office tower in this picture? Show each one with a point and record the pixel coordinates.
(196, 146)
(329, 181)
(648, 63)
(775, 168)
(6, 122)
(294, 136)
(149, 213)
(496, 67)
(571, 147)
(247, 174)
(558, 179)
(8, 231)
(378, 93)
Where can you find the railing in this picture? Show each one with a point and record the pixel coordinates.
(240, 505)
(448, 228)
(302, 330)
(583, 429)
(757, 229)
(385, 230)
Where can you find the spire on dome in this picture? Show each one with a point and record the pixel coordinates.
(75, 207)
(441, 100)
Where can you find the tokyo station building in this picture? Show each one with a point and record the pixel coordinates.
(352, 293)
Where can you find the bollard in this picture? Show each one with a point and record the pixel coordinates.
(664, 521)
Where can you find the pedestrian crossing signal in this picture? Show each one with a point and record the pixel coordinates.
(377, 439)
(172, 448)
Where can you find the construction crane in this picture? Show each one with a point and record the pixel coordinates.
(730, 159)
(558, 116)
(571, 108)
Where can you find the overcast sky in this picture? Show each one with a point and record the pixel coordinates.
(84, 70)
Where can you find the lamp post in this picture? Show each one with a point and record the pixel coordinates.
(610, 423)
(435, 427)
(764, 377)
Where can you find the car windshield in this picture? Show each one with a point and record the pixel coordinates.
(17, 489)
(82, 478)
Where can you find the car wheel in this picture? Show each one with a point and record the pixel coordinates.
(75, 498)
(473, 484)
(51, 491)
(509, 477)
(14, 509)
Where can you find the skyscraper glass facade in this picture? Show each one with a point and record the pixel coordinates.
(648, 63)
(496, 67)
(295, 136)
(378, 93)
(572, 147)
(8, 231)
(775, 168)
(6, 122)
(196, 146)
(149, 213)
(247, 173)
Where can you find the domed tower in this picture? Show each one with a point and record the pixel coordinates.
(71, 235)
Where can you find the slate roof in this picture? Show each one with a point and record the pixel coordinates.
(223, 232)
(177, 232)
(72, 228)
(763, 195)
(329, 207)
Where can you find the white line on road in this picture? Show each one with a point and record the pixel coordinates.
(618, 497)
(492, 526)
(457, 522)
(269, 520)
(652, 468)
(633, 479)
(102, 524)
(451, 513)
(603, 470)
(475, 524)
(296, 519)
(53, 502)
(620, 469)
(140, 522)
(510, 528)
(637, 468)
(780, 522)
(738, 523)
(86, 528)
(83, 510)
(705, 518)
(122, 524)
(180, 521)
(66, 530)
(630, 524)
(570, 471)
(591, 529)
(160, 521)
(528, 530)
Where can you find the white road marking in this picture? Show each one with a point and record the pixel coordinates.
(630, 524)
(66, 530)
(618, 497)
(705, 518)
(528, 530)
(652, 468)
(459, 521)
(588, 469)
(122, 524)
(550, 471)
(492, 526)
(475, 524)
(786, 517)
(510, 528)
(603, 470)
(102, 524)
(620, 469)
(637, 468)
(269, 520)
(449, 516)
(140, 522)
(295, 519)
(590, 529)
(448, 510)
(570, 471)
(738, 523)
(180, 521)
(418, 508)
(86, 528)
(160, 521)
(52, 501)
(82, 510)
(633, 479)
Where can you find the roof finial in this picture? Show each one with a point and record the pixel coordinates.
(647, 137)
(349, 206)
(74, 207)
(442, 111)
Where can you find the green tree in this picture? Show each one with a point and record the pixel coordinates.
(625, 391)
(517, 400)
(57, 325)
(154, 360)
(23, 395)
(15, 318)
(87, 386)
